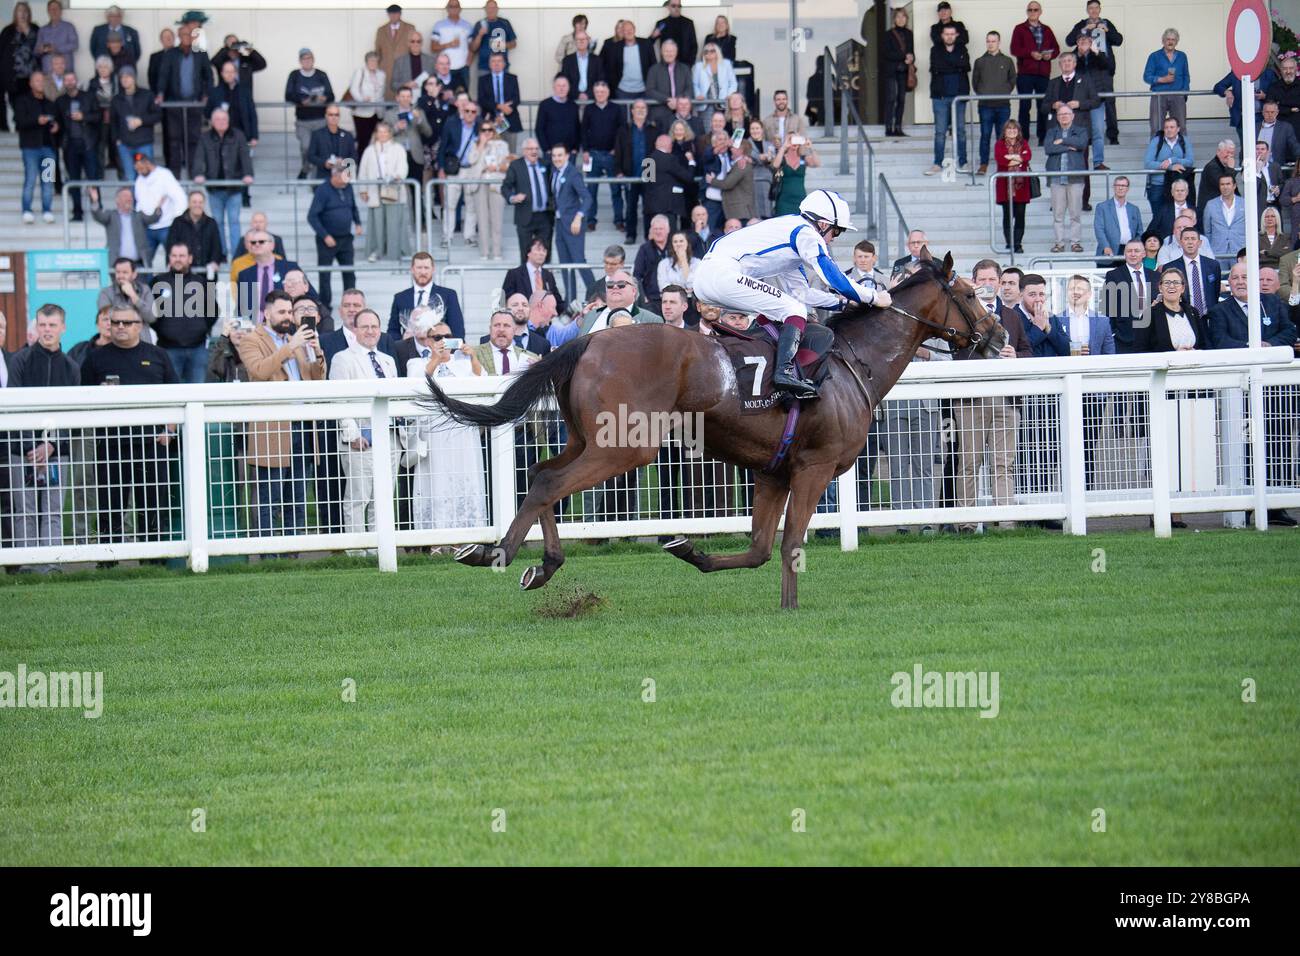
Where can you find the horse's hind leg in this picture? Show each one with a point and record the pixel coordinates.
(769, 500)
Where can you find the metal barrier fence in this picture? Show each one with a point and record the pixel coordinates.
(1109, 174)
(1017, 97)
(268, 468)
(886, 202)
(459, 181)
(287, 121)
(293, 186)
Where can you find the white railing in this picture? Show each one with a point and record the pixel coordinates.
(1088, 437)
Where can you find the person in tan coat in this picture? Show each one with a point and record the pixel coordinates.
(281, 455)
(393, 39)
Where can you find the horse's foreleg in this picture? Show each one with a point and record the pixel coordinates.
(769, 499)
(806, 490)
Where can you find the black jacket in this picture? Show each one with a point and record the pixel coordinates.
(668, 170)
(85, 131)
(518, 180)
(1119, 295)
(895, 46)
(611, 54)
(1082, 89)
(558, 123)
(238, 102)
(1155, 337)
(202, 238)
(645, 269)
(28, 110)
(248, 65)
(139, 104)
(595, 73)
(936, 32)
(487, 99)
(169, 75)
(222, 157)
(187, 308)
(943, 63)
(1113, 39)
(519, 280)
(37, 367)
(623, 158)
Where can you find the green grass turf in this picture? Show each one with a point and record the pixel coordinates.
(1119, 690)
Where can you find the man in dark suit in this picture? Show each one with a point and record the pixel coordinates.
(1268, 178)
(526, 186)
(668, 79)
(344, 337)
(523, 279)
(166, 43)
(1228, 329)
(1196, 267)
(184, 76)
(498, 92)
(331, 146)
(916, 241)
(1227, 319)
(582, 68)
(1223, 163)
(1281, 138)
(266, 275)
(113, 25)
(1127, 294)
(573, 206)
(665, 193)
(420, 294)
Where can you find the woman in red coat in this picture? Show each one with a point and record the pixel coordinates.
(1012, 155)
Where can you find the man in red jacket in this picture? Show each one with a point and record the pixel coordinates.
(1034, 46)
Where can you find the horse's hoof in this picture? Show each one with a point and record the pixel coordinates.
(533, 578)
(679, 547)
(474, 555)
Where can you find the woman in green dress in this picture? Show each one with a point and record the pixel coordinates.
(797, 155)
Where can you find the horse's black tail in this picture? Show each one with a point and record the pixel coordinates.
(527, 391)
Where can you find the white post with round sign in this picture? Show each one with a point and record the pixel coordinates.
(1250, 37)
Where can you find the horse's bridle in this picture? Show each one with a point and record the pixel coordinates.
(975, 338)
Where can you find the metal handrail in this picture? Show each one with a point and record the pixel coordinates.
(417, 213)
(1109, 174)
(977, 97)
(459, 180)
(887, 195)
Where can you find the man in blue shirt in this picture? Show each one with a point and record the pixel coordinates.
(1167, 75)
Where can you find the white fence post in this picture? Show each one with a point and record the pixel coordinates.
(194, 468)
(381, 450)
(848, 502)
(502, 448)
(1160, 477)
(1073, 472)
(1258, 461)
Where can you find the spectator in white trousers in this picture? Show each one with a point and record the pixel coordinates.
(363, 360)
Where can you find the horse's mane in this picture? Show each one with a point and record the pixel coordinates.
(923, 271)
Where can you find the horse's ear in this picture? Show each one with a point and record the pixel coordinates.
(947, 265)
(925, 254)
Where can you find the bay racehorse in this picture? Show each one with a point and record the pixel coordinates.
(659, 369)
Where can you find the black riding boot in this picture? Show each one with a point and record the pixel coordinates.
(786, 377)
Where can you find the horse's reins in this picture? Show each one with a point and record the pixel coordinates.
(975, 337)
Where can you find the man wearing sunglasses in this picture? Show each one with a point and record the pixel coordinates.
(131, 456)
(266, 275)
(763, 269)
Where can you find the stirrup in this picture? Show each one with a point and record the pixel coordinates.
(800, 388)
